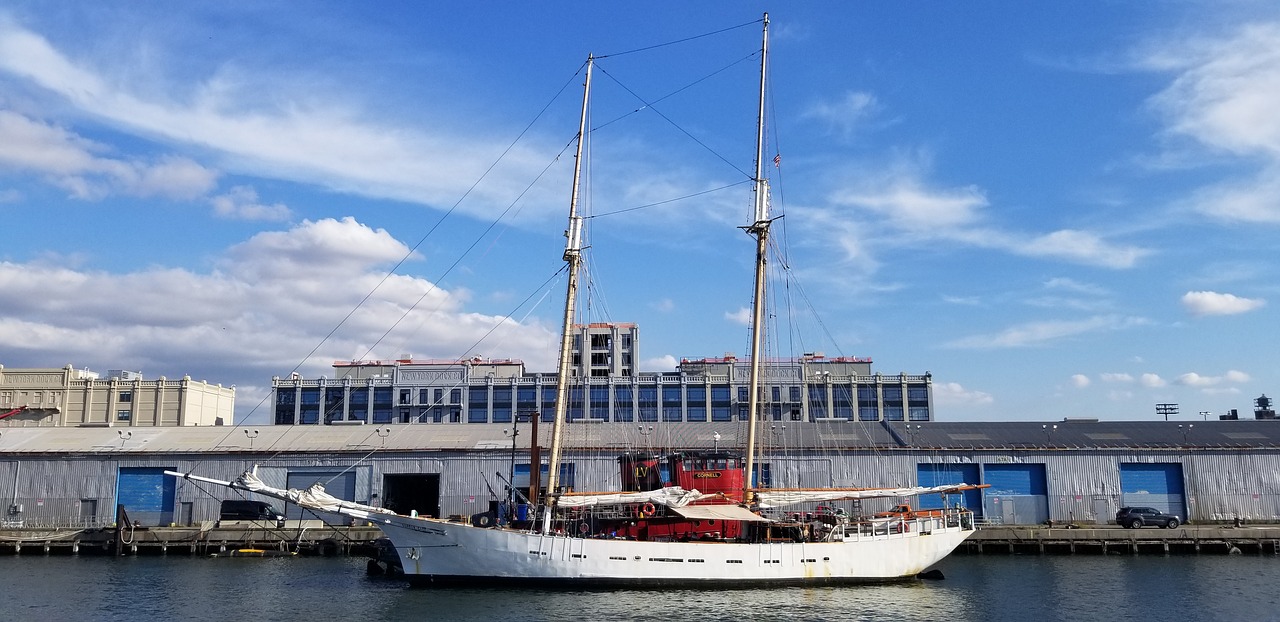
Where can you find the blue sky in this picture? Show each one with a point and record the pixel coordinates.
(1057, 209)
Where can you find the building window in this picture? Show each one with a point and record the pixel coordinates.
(123, 415)
(405, 395)
(795, 394)
(671, 394)
(696, 394)
(720, 395)
(502, 395)
(126, 397)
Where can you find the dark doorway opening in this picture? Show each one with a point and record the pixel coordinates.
(406, 493)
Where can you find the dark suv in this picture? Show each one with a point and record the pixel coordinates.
(1134, 518)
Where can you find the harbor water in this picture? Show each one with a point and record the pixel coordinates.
(144, 589)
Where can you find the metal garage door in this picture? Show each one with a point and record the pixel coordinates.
(1157, 485)
(938, 474)
(147, 494)
(337, 483)
(1017, 494)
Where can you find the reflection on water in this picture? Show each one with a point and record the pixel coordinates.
(976, 588)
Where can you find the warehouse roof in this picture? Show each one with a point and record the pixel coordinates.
(773, 436)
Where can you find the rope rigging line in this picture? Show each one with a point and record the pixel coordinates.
(649, 105)
(423, 240)
(684, 40)
(672, 200)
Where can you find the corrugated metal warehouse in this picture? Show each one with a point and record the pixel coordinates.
(1073, 470)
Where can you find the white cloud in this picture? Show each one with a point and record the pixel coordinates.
(954, 394)
(241, 202)
(74, 164)
(1116, 377)
(1214, 303)
(661, 363)
(1227, 90)
(846, 114)
(1038, 333)
(1224, 98)
(742, 316)
(1153, 381)
(270, 301)
(306, 136)
(918, 214)
(907, 204)
(1073, 285)
(1080, 247)
(1193, 379)
(969, 301)
(665, 305)
(1079, 380)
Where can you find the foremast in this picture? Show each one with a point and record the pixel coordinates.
(759, 229)
(572, 257)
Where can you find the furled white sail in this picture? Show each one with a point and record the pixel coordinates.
(671, 496)
(313, 498)
(779, 498)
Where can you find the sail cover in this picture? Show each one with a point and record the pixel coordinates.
(779, 498)
(719, 512)
(671, 496)
(313, 498)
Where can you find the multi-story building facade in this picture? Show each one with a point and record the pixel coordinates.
(605, 388)
(50, 397)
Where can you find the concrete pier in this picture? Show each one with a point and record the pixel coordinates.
(204, 539)
(1114, 540)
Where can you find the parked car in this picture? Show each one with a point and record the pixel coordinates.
(246, 510)
(1136, 517)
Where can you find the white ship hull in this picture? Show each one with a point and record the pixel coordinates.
(437, 551)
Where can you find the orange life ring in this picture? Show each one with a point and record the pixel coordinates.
(647, 509)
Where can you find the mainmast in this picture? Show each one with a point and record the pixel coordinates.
(573, 257)
(760, 230)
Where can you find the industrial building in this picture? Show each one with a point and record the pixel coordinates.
(604, 388)
(66, 396)
(1078, 471)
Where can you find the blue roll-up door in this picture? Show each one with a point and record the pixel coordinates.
(147, 494)
(939, 474)
(1158, 485)
(337, 483)
(1017, 494)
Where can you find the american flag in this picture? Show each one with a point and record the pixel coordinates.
(777, 160)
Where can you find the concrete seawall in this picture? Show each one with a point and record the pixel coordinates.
(196, 540)
(323, 539)
(1114, 540)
